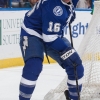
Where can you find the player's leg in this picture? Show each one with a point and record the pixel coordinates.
(56, 55)
(67, 64)
(71, 82)
(32, 51)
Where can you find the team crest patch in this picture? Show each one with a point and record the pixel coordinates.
(58, 11)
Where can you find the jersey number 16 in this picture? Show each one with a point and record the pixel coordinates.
(54, 27)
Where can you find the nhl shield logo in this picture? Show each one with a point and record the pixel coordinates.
(58, 11)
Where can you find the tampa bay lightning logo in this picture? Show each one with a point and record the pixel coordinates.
(58, 11)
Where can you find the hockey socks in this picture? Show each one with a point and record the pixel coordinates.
(30, 74)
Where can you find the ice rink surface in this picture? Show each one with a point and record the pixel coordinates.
(50, 77)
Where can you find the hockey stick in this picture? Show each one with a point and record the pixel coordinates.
(75, 71)
(70, 35)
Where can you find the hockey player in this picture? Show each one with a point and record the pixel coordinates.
(42, 31)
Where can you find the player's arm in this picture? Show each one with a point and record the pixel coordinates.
(52, 31)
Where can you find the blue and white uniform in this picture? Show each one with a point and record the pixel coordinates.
(48, 19)
(43, 29)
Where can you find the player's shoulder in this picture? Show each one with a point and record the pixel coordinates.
(75, 2)
(52, 7)
(49, 2)
(45, 2)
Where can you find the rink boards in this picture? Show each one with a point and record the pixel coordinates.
(10, 23)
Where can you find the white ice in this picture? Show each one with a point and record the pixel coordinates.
(50, 77)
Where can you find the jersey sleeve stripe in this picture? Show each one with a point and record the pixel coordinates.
(31, 32)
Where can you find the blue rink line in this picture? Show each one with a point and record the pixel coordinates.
(20, 9)
(14, 9)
